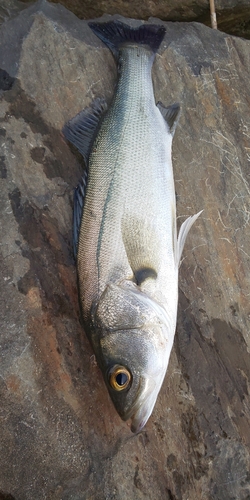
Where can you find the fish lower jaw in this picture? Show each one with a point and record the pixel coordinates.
(137, 427)
(142, 411)
(140, 418)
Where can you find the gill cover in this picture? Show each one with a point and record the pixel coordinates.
(134, 349)
(124, 307)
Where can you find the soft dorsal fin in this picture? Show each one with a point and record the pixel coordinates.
(81, 130)
(170, 114)
(183, 232)
(79, 196)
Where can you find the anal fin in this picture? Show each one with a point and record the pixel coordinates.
(170, 114)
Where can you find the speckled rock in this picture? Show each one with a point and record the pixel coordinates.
(60, 436)
(233, 16)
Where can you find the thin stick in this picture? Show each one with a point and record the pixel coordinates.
(213, 15)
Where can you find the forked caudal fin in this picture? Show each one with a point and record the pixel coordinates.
(115, 34)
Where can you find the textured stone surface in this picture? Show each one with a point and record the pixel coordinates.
(60, 436)
(233, 16)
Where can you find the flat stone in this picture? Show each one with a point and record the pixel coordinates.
(61, 438)
(233, 16)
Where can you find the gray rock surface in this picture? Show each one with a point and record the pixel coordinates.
(60, 437)
(233, 16)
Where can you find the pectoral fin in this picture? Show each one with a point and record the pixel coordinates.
(183, 232)
(141, 242)
(81, 130)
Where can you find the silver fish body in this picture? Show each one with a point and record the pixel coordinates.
(128, 253)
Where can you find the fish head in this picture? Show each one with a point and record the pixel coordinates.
(133, 351)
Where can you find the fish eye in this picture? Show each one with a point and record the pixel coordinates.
(119, 378)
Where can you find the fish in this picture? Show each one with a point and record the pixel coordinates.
(124, 231)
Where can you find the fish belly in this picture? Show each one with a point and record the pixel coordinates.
(129, 214)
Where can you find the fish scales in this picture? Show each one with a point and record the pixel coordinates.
(130, 182)
(128, 253)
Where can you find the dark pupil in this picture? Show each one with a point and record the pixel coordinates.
(121, 379)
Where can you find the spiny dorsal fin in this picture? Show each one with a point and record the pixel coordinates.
(171, 114)
(81, 130)
(183, 232)
(79, 196)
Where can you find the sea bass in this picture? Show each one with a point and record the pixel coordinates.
(125, 235)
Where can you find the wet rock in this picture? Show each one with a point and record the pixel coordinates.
(233, 16)
(60, 436)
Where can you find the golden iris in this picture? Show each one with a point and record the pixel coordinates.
(119, 378)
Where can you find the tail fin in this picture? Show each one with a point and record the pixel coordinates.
(115, 34)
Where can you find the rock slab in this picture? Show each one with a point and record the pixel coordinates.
(233, 16)
(60, 436)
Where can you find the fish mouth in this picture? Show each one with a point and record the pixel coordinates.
(140, 419)
(144, 404)
(143, 407)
